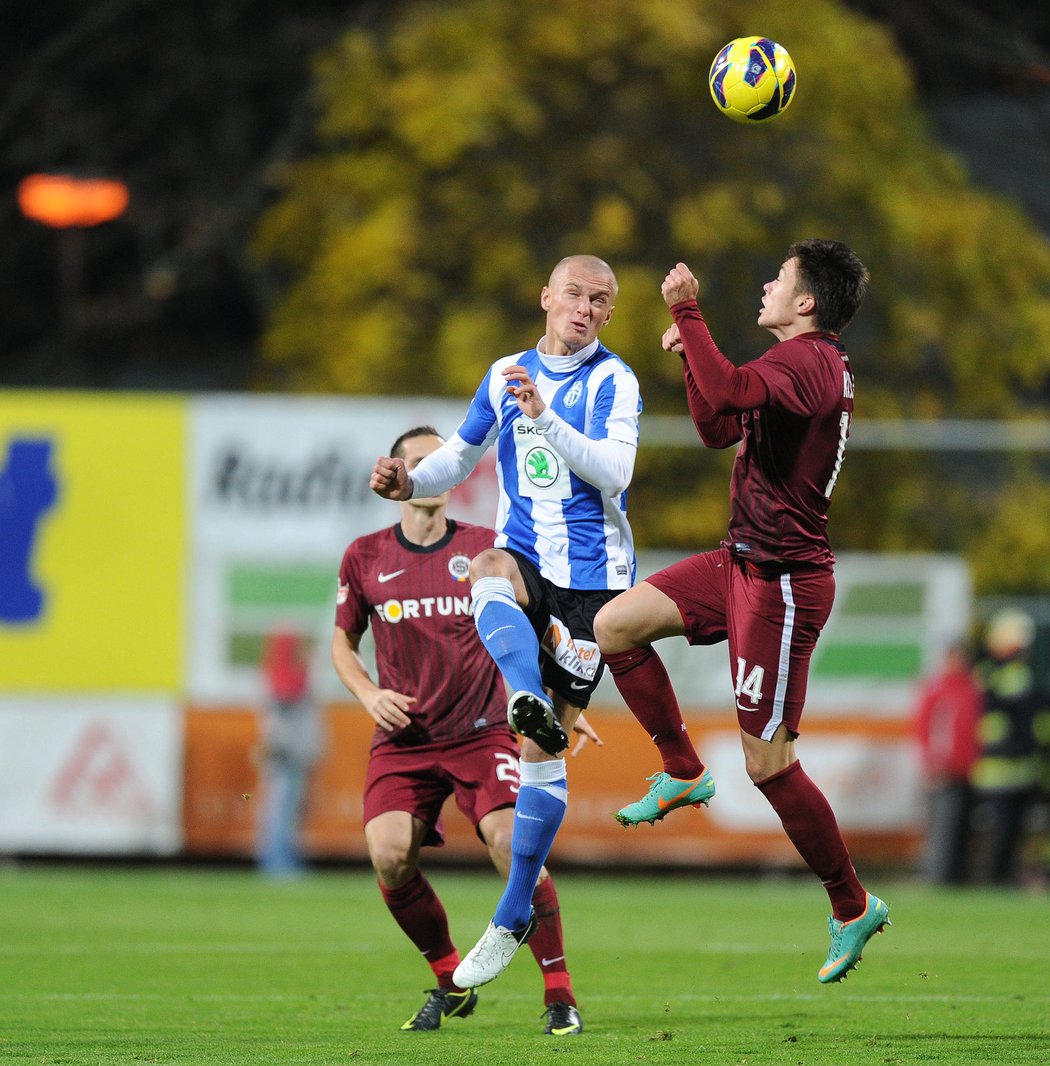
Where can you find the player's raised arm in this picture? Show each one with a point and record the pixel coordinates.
(390, 479)
(679, 285)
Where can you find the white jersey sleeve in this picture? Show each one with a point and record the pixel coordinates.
(445, 467)
(607, 464)
(452, 463)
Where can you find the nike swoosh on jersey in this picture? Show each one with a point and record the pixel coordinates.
(383, 578)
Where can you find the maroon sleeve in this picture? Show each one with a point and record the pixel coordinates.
(725, 388)
(351, 610)
(716, 431)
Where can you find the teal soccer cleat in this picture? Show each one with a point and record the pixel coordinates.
(666, 794)
(848, 939)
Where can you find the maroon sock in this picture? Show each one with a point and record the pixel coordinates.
(548, 946)
(417, 909)
(810, 825)
(642, 679)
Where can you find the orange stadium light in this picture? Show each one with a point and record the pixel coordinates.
(62, 201)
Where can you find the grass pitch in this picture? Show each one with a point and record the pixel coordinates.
(116, 966)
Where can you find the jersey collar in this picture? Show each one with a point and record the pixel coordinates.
(565, 364)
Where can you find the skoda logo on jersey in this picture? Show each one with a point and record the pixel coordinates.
(459, 567)
(574, 394)
(542, 467)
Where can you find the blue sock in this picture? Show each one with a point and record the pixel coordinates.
(538, 814)
(507, 634)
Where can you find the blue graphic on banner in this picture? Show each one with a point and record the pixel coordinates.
(28, 490)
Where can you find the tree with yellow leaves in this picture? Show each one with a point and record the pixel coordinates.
(463, 148)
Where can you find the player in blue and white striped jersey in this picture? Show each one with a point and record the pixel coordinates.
(563, 474)
(564, 419)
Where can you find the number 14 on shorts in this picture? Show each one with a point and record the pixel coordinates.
(748, 684)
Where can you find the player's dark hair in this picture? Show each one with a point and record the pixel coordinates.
(396, 451)
(834, 276)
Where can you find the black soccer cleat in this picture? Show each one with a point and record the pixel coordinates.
(563, 1019)
(534, 718)
(441, 1003)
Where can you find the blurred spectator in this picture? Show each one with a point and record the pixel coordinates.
(946, 718)
(1006, 770)
(291, 746)
(1042, 736)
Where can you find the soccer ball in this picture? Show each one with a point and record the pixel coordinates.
(752, 79)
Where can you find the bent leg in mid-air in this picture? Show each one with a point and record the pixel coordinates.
(812, 828)
(499, 595)
(625, 629)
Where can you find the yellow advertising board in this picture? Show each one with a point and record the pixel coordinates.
(92, 542)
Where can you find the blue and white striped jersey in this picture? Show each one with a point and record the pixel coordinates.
(574, 530)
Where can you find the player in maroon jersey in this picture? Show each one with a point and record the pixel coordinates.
(441, 729)
(769, 588)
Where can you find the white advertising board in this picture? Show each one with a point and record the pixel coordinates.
(871, 786)
(278, 488)
(90, 775)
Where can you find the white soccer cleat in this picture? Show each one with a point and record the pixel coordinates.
(491, 955)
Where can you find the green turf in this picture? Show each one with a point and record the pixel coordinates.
(158, 965)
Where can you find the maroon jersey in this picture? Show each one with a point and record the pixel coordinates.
(791, 451)
(417, 601)
(791, 445)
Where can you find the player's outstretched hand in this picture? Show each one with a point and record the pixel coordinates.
(672, 339)
(390, 479)
(584, 731)
(679, 285)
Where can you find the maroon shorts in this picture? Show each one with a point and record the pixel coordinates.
(771, 621)
(481, 770)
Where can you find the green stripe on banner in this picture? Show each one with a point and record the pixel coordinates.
(889, 661)
(902, 598)
(244, 649)
(280, 586)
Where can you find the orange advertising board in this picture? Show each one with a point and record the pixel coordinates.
(864, 764)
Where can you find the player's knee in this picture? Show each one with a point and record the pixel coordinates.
(610, 630)
(497, 831)
(492, 562)
(761, 762)
(500, 849)
(392, 865)
(756, 767)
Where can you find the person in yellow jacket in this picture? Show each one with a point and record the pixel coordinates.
(1005, 774)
